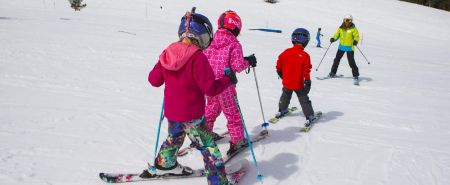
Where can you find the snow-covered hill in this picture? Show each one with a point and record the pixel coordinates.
(75, 101)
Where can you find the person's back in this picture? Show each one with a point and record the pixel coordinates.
(226, 52)
(295, 65)
(188, 78)
(294, 68)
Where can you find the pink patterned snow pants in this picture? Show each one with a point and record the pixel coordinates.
(225, 102)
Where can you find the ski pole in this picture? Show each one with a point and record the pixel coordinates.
(363, 55)
(324, 56)
(259, 176)
(265, 124)
(161, 118)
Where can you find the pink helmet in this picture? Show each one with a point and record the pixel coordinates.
(230, 20)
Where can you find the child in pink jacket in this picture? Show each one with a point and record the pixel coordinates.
(226, 52)
(188, 77)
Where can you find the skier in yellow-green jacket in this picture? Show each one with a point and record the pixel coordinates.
(348, 37)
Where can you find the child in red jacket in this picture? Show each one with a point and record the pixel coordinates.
(294, 67)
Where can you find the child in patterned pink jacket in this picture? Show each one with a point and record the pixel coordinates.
(225, 51)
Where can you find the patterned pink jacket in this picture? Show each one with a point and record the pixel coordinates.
(225, 50)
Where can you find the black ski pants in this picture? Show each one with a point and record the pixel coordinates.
(351, 62)
(303, 98)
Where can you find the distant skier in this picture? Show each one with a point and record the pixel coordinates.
(294, 68)
(188, 78)
(349, 37)
(76, 4)
(318, 37)
(226, 52)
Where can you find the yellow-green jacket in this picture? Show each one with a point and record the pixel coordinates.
(346, 36)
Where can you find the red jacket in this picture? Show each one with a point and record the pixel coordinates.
(295, 66)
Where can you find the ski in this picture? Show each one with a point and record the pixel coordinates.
(190, 148)
(277, 118)
(135, 177)
(328, 77)
(241, 168)
(262, 135)
(234, 173)
(308, 126)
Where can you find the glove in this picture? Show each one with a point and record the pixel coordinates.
(231, 75)
(332, 40)
(307, 83)
(280, 74)
(355, 43)
(251, 60)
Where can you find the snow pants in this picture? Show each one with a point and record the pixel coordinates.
(303, 98)
(202, 139)
(225, 102)
(351, 62)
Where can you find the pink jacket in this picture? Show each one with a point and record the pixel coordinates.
(188, 77)
(225, 50)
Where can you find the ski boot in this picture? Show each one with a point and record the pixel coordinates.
(355, 80)
(281, 113)
(331, 75)
(310, 121)
(235, 147)
(177, 170)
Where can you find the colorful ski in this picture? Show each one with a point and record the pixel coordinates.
(234, 173)
(241, 168)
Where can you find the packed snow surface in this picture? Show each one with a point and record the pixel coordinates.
(75, 101)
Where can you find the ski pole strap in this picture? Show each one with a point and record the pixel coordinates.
(161, 118)
(259, 176)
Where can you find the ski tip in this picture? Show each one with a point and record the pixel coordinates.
(103, 177)
(234, 167)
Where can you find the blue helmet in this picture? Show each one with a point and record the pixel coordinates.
(300, 36)
(196, 26)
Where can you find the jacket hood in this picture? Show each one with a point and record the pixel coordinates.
(222, 38)
(175, 56)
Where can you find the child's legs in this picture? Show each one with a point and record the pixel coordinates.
(212, 158)
(167, 157)
(305, 103)
(212, 111)
(285, 99)
(231, 112)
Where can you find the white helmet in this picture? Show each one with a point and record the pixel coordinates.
(348, 16)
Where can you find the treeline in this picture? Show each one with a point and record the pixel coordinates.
(440, 4)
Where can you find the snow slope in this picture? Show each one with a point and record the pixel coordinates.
(75, 101)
